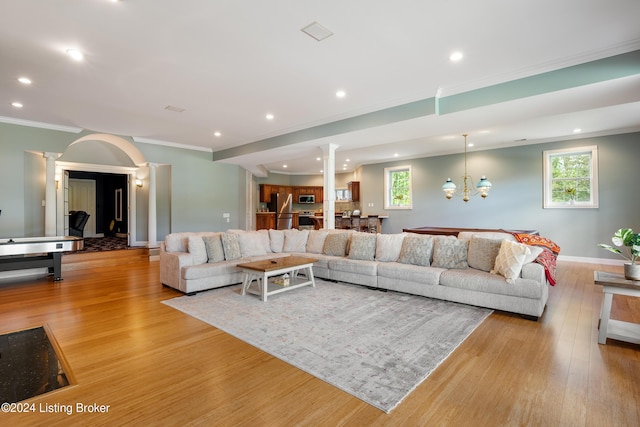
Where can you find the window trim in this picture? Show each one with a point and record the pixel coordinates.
(547, 179)
(387, 187)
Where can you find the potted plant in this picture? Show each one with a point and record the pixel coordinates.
(630, 241)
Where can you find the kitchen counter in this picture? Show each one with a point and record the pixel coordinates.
(345, 222)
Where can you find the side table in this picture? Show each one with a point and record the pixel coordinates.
(616, 284)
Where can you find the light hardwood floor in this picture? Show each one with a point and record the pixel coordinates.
(154, 365)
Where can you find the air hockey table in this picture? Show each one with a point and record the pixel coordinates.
(34, 252)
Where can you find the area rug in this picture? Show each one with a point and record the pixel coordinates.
(377, 346)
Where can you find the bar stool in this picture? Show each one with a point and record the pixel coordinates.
(373, 224)
(355, 222)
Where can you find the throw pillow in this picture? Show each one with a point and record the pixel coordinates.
(450, 252)
(535, 252)
(416, 250)
(295, 240)
(213, 245)
(276, 237)
(251, 244)
(315, 242)
(510, 259)
(363, 246)
(388, 246)
(482, 253)
(230, 246)
(197, 249)
(336, 244)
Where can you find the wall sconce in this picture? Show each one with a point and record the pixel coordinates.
(138, 183)
(57, 178)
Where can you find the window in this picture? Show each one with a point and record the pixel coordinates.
(397, 188)
(571, 178)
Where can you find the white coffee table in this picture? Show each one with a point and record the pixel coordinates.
(261, 271)
(616, 284)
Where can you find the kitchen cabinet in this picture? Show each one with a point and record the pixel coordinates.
(265, 220)
(354, 190)
(266, 190)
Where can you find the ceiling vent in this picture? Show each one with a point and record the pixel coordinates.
(175, 109)
(317, 31)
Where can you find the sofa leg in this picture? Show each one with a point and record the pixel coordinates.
(528, 317)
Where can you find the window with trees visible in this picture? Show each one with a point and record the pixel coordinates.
(397, 188)
(571, 178)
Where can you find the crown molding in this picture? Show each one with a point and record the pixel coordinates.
(171, 144)
(41, 125)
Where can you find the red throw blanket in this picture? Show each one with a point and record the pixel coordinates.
(547, 257)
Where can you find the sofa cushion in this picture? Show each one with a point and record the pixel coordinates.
(416, 250)
(276, 239)
(410, 273)
(336, 244)
(177, 242)
(483, 252)
(365, 268)
(197, 249)
(295, 240)
(480, 281)
(230, 246)
(253, 243)
(363, 246)
(315, 241)
(204, 271)
(388, 246)
(510, 259)
(213, 246)
(450, 252)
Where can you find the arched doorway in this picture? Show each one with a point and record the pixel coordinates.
(109, 154)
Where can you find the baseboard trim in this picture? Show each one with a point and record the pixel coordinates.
(585, 260)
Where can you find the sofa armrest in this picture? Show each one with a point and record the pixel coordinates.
(171, 264)
(533, 271)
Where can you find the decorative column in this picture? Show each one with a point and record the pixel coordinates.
(152, 240)
(329, 202)
(50, 195)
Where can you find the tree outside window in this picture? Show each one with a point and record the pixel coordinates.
(397, 188)
(571, 178)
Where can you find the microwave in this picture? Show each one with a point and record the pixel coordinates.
(306, 198)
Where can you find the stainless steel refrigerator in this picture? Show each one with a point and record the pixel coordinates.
(282, 205)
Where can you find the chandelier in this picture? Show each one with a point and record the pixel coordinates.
(468, 189)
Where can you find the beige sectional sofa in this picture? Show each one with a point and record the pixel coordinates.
(483, 269)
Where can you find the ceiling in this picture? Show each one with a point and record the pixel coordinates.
(527, 75)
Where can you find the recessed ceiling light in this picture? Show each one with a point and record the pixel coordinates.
(577, 130)
(75, 54)
(347, 160)
(341, 94)
(217, 134)
(17, 104)
(395, 154)
(456, 56)
(284, 166)
(470, 144)
(269, 116)
(24, 80)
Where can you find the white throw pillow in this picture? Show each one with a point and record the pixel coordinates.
(295, 240)
(252, 243)
(197, 249)
(510, 259)
(388, 246)
(315, 241)
(276, 239)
